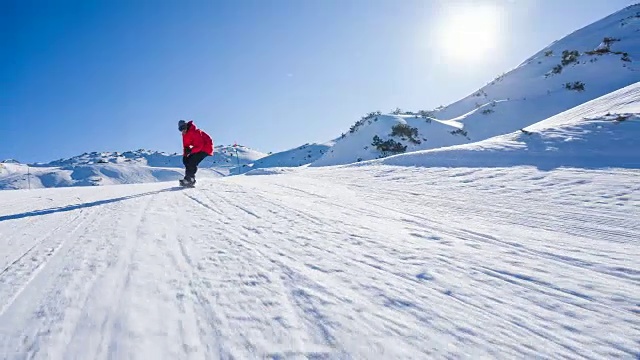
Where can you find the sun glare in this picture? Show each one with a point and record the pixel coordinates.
(470, 32)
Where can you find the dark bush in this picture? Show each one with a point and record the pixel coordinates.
(367, 118)
(577, 86)
(569, 57)
(388, 147)
(600, 51)
(404, 130)
(608, 41)
(459, 132)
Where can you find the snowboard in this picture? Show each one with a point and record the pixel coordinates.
(182, 184)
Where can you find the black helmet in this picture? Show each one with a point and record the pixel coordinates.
(182, 125)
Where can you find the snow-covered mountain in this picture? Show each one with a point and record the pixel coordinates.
(377, 135)
(223, 156)
(109, 168)
(589, 63)
(22, 176)
(299, 156)
(9, 161)
(604, 132)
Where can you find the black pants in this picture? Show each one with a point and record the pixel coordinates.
(191, 163)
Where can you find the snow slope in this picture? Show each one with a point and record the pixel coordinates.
(108, 168)
(602, 57)
(358, 145)
(533, 92)
(299, 156)
(419, 263)
(604, 132)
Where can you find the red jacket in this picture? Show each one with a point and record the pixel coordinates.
(198, 140)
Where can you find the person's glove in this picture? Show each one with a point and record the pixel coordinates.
(187, 151)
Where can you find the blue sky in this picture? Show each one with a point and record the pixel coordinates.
(117, 75)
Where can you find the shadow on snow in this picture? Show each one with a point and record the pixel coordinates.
(83, 205)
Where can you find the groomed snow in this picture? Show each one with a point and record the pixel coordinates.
(368, 263)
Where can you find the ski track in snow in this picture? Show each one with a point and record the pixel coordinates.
(382, 262)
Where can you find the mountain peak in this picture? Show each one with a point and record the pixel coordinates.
(10, 161)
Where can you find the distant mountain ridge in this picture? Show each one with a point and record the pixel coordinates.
(223, 156)
(129, 167)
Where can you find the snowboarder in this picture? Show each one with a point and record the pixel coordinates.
(196, 145)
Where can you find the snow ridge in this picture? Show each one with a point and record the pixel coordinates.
(603, 132)
(302, 155)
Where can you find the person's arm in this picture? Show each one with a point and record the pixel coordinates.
(186, 146)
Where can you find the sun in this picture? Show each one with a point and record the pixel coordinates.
(470, 32)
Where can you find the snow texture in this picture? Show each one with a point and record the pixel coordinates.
(352, 263)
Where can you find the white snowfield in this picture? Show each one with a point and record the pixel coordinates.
(377, 262)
